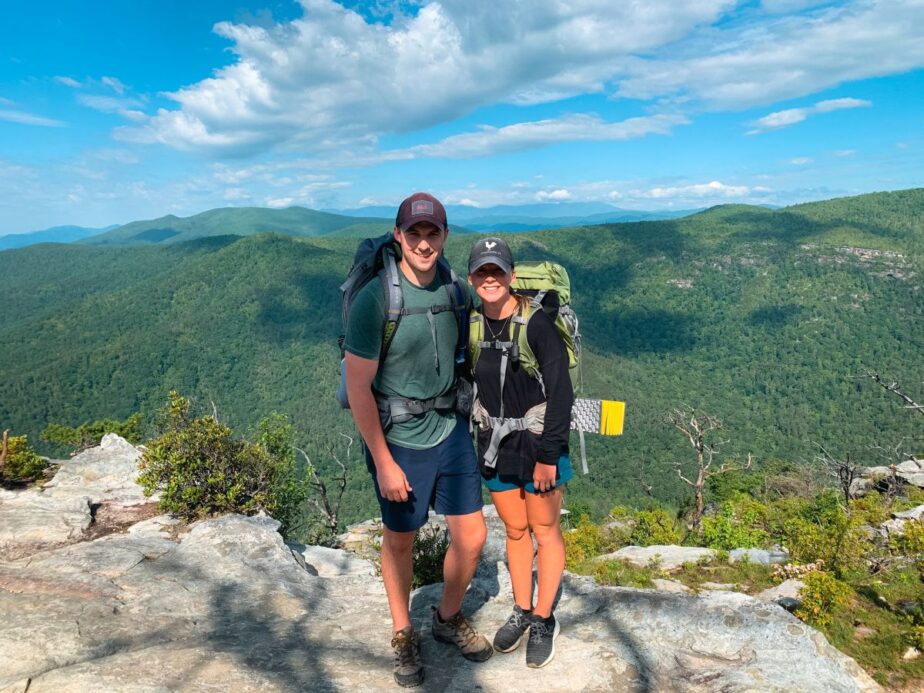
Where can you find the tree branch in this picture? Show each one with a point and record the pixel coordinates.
(895, 388)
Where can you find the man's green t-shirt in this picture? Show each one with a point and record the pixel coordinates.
(420, 363)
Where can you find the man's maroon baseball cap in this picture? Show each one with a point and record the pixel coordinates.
(421, 207)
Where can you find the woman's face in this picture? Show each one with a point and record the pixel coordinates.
(491, 283)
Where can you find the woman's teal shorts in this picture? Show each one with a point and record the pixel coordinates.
(502, 482)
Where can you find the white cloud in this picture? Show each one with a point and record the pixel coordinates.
(330, 78)
(110, 104)
(114, 84)
(68, 81)
(331, 81)
(559, 195)
(279, 202)
(520, 136)
(29, 119)
(791, 116)
(713, 189)
(800, 161)
(785, 6)
(764, 60)
(844, 153)
(235, 194)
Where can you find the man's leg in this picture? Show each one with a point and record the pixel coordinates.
(397, 574)
(468, 533)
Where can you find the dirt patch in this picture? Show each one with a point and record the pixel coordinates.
(112, 518)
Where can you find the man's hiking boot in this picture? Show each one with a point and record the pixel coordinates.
(459, 632)
(510, 635)
(409, 670)
(540, 648)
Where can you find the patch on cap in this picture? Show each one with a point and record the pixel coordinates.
(421, 207)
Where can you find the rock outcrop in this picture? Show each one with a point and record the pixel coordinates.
(910, 472)
(226, 605)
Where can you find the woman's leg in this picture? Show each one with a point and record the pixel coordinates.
(543, 513)
(511, 508)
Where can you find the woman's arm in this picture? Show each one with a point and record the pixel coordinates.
(547, 345)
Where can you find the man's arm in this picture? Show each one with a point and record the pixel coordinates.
(360, 373)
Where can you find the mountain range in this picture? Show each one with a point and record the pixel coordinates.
(531, 217)
(56, 234)
(354, 223)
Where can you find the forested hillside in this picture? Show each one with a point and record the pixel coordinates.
(243, 221)
(238, 221)
(764, 318)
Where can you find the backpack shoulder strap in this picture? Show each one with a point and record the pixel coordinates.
(525, 354)
(461, 302)
(394, 300)
(475, 337)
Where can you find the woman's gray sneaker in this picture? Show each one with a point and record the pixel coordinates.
(409, 670)
(459, 632)
(540, 648)
(510, 635)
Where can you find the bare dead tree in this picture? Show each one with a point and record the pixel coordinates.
(895, 388)
(328, 506)
(843, 470)
(701, 430)
(5, 448)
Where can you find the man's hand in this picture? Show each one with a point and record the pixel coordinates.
(544, 476)
(393, 483)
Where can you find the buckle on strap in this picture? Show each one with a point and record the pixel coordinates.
(402, 409)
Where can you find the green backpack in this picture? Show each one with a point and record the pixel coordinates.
(548, 287)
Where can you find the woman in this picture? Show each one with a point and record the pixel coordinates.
(524, 470)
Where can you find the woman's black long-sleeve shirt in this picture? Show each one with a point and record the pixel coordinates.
(520, 450)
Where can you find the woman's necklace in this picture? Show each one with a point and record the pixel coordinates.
(501, 331)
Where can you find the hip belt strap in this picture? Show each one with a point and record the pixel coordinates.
(399, 409)
(501, 427)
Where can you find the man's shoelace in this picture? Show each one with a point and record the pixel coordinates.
(405, 652)
(463, 629)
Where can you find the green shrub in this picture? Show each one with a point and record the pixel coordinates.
(656, 526)
(201, 469)
(429, 552)
(823, 596)
(911, 541)
(23, 464)
(89, 434)
(820, 528)
(622, 573)
(916, 637)
(583, 542)
(871, 509)
(737, 524)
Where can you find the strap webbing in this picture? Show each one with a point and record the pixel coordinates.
(401, 409)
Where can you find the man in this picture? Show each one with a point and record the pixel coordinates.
(427, 459)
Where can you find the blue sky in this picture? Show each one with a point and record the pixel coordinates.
(116, 111)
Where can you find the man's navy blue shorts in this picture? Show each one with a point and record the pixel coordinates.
(445, 477)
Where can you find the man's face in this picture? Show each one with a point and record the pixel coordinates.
(421, 245)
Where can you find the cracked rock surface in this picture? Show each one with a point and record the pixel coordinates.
(227, 606)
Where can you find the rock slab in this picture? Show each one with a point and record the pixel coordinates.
(668, 557)
(225, 605)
